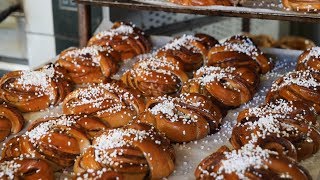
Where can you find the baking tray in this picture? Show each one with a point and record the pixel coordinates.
(189, 155)
(267, 9)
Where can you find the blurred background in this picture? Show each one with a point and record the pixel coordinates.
(34, 31)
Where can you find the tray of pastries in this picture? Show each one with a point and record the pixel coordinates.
(130, 106)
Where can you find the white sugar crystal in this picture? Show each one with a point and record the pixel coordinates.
(183, 41)
(121, 30)
(212, 73)
(9, 168)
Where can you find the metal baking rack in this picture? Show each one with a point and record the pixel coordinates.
(251, 9)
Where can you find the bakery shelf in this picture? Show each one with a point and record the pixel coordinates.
(266, 11)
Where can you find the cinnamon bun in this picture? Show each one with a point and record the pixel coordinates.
(189, 50)
(185, 118)
(92, 64)
(11, 120)
(239, 51)
(156, 76)
(285, 127)
(228, 87)
(31, 91)
(309, 59)
(126, 39)
(102, 174)
(203, 2)
(57, 139)
(302, 5)
(114, 103)
(136, 151)
(249, 162)
(25, 168)
(297, 86)
(294, 42)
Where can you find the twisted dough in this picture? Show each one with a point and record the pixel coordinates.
(185, 118)
(228, 87)
(136, 151)
(302, 5)
(11, 120)
(113, 102)
(102, 174)
(92, 64)
(249, 162)
(203, 2)
(297, 86)
(190, 51)
(309, 59)
(57, 139)
(239, 51)
(294, 42)
(126, 39)
(285, 127)
(25, 168)
(156, 76)
(31, 91)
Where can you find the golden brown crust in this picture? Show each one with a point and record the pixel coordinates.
(11, 120)
(102, 174)
(31, 91)
(25, 168)
(228, 87)
(185, 118)
(262, 40)
(135, 151)
(92, 64)
(294, 42)
(236, 164)
(309, 59)
(202, 2)
(126, 39)
(312, 6)
(155, 76)
(285, 127)
(113, 102)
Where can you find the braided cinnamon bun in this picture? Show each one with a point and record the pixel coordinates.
(294, 42)
(297, 86)
(156, 76)
(249, 162)
(285, 127)
(190, 51)
(112, 102)
(57, 139)
(25, 168)
(31, 91)
(126, 39)
(309, 59)
(229, 87)
(102, 174)
(239, 51)
(182, 119)
(11, 120)
(302, 5)
(136, 151)
(92, 64)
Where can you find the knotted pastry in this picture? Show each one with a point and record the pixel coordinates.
(136, 151)
(239, 51)
(249, 162)
(285, 127)
(126, 39)
(11, 120)
(262, 40)
(102, 174)
(302, 5)
(189, 50)
(156, 76)
(294, 42)
(92, 64)
(206, 2)
(309, 59)
(229, 87)
(114, 103)
(185, 118)
(297, 86)
(57, 139)
(25, 168)
(35, 90)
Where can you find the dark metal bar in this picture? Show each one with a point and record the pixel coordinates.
(246, 25)
(84, 18)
